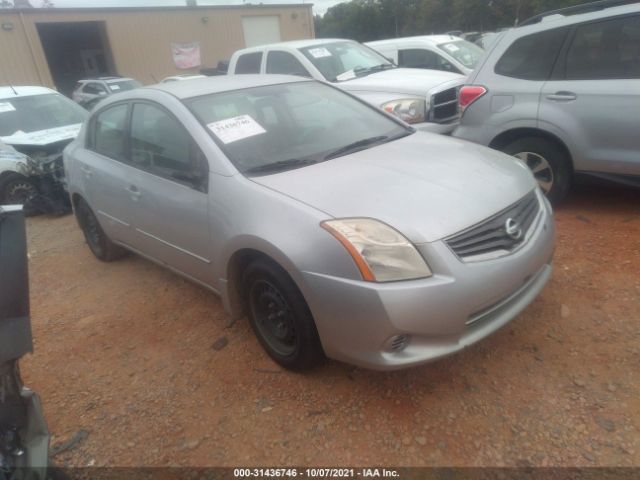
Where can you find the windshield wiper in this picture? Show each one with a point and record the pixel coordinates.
(378, 68)
(356, 146)
(281, 165)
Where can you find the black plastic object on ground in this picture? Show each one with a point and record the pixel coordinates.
(24, 437)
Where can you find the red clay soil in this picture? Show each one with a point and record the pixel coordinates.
(125, 352)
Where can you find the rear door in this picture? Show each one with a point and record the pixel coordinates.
(170, 185)
(104, 172)
(594, 95)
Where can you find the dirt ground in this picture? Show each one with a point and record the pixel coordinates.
(125, 361)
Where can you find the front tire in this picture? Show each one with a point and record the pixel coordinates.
(100, 245)
(280, 317)
(548, 162)
(16, 189)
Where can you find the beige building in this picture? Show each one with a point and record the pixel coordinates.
(56, 47)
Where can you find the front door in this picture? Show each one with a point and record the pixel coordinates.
(170, 186)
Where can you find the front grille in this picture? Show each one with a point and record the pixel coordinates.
(501, 233)
(444, 106)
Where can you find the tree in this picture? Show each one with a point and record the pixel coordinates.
(365, 20)
(6, 4)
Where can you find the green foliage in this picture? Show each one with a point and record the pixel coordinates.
(366, 20)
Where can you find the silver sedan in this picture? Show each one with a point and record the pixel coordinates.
(336, 228)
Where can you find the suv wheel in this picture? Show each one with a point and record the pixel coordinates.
(100, 245)
(280, 317)
(548, 163)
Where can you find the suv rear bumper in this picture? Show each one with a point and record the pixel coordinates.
(441, 128)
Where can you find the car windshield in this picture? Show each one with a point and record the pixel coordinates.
(123, 85)
(38, 112)
(464, 52)
(279, 127)
(340, 61)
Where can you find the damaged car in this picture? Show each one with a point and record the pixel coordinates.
(36, 123)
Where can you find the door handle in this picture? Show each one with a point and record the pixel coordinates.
(134, 192)
(86, 170)
(562, 97)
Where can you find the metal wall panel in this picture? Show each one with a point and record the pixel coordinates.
(140, 38)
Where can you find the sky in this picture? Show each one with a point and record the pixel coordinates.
(319, 6)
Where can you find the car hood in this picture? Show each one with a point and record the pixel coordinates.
(43, 137)
(402, 80)
(426, 186)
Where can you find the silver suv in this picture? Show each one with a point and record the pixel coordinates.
(562, 93)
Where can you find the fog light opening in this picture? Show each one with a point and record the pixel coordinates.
(398, 343)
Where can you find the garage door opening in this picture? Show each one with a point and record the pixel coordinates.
(261, 30)
(76, 50)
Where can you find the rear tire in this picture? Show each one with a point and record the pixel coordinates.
(100, 245)
(548, 162)
(280, 317)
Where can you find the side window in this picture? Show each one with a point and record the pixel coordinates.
(418, 58)
(249, 63)
(162, 146)
(609, 49)
(109, 137)
(532, 57)
(285, 63)
(94, 88)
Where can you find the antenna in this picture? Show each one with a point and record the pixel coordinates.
(13, 90)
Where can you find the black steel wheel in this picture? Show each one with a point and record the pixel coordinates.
(100, 245)
(280, 316)
(16, 189)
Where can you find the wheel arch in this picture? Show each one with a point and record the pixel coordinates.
(237, 262)
(509, 136)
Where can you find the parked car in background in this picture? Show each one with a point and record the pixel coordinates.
(179, 78)
(563, 95)
(425, 99)
(485, 40)
(434, 52)
(89, 92)
(339, 229)
(36, 123)
(220, 69)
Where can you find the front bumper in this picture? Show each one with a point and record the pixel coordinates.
(459, 305)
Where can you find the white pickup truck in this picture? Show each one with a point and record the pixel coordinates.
(427, 99)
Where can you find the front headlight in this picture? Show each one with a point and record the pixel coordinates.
(381, 253)
(411, 110)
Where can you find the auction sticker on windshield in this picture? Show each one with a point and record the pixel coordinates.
(319, 52)
(236, 128)
(6, 107)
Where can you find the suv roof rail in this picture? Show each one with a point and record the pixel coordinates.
(577, 9)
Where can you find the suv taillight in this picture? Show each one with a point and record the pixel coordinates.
(469, 94)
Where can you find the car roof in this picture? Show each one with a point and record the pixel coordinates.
(432, 39)
(295, 44)
(559, 20)
(222, 83)
(23, 91)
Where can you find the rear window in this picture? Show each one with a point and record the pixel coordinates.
(249, 63)
(532, 57)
